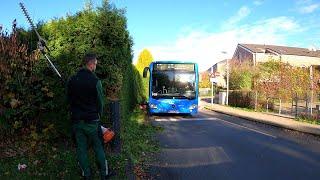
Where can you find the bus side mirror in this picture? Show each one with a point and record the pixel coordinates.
(145, 72)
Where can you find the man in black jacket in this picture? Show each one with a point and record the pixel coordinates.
(86, 100)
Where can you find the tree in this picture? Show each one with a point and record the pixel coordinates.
(88, 5)
(268, 79)
(20, 88)
(205, 80)
(31, 94)
(241, 76)
(286, 82)
(102, 31)
(144, 60)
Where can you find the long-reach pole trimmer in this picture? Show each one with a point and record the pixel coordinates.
(41, 43)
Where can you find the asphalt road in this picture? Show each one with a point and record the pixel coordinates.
(218, 146)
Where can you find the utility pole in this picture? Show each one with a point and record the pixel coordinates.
(211, 86)
(311, 80)
(227, 95)
(227, 98)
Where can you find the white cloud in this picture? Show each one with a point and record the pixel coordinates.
(243, 12)
(303, 2)
(258, 2)
(309, 8)
(306, 6)
(206, 48)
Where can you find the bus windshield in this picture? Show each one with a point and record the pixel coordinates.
(173, 83)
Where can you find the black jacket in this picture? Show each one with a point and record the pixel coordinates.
(84, 91)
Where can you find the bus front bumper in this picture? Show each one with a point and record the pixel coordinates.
(176, 106)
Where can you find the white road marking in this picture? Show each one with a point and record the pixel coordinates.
(206, 119)
(248, 128)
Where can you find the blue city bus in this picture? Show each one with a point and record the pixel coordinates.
(173, 87)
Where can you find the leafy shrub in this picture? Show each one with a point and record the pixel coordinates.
(241, 76)
(243, 99)
(31, 94)
(22, 91)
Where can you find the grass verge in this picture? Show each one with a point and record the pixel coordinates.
(55, 159)
(308, 120)
(239, 108)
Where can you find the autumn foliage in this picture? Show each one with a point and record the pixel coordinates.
(21, 88)
(271, 80)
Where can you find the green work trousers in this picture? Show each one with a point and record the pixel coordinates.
(86, 133)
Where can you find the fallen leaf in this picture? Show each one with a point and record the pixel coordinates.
(45, 89)
(14, 103)
(36, 162)
(50, 94)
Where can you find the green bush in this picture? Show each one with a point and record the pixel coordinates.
(244, 99)
(241, 76)
(30, 91)
(32, 98)
(23, 94)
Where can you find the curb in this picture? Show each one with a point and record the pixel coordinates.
(305, 129)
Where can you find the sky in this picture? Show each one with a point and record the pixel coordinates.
(203, 31)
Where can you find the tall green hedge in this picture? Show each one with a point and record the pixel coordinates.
(102, 31)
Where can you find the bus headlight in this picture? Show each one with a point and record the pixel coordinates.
(153, 106)
(193, 106)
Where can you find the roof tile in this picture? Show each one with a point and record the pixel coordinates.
(261, 48)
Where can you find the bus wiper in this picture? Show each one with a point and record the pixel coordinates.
(183, 97)
(176, 96)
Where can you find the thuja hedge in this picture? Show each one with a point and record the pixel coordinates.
(102, 31)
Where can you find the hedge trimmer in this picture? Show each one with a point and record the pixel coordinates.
(42, 44)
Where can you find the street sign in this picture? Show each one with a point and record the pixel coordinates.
(214, 80)
(214, 74)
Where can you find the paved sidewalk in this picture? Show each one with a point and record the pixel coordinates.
(283, 122)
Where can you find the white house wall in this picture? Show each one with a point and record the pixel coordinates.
(262, 57)
(291, 59)
(300, 60)
(221, 68)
